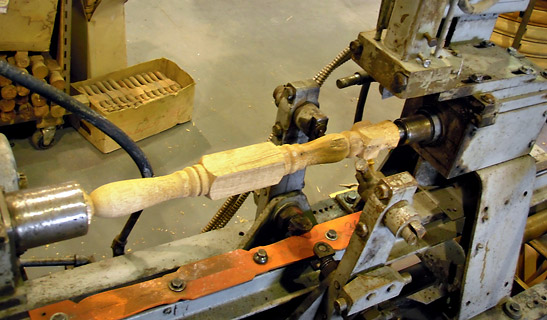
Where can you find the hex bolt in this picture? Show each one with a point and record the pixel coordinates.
(381, 191)
(486, 44)
(425, 61)
(431, 41)
(331, 235)
(177, 284)
(340, 305)
(59, 316)
(512, 309)
(350, 197)
(277, 130)
(488, 98)
(361, 230)
(527, 70)
(476, 78)
(261, 256)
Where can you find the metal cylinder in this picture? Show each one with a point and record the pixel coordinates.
(45, 215)
(419, 128)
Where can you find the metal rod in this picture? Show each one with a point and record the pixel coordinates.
(523, 24)
(75, 261)
(359, 109)
(446, 26)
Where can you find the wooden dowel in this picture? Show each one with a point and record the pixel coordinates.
(21, 59)
(7, 105)
(8, 117)
(57, 80)
(37, 100)
(57, 111)
(41, 111)
(245, 169)
(26, 111)
(19, 100)
(8, 92)
(37, 67)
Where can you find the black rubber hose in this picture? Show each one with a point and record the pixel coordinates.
(94, 118)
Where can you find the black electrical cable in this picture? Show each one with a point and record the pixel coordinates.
(94, 118)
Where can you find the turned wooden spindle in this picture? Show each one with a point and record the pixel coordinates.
(244, 169)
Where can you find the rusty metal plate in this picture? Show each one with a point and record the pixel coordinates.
(202, 277)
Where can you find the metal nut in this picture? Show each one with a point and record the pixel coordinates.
(59, 316)
(350, 197)
(177, 284)
(331, 235)
(512, 309)
(381, 191)
(261, 256)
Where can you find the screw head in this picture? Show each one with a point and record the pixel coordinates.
(331, 235)
(488, 98)
(261, 256)
(59, 316)
(177, 284)
(526, 70)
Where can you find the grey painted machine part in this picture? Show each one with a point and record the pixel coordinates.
(45, 215)
(8, 169)
(497, 234)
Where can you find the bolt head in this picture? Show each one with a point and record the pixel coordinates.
(177, 284)
(488, 98)
(526, 70)
(382, 191)
(361, 229)
(350, 197)
(426, 63)
(260, 256)
(331, 235)
(512, 51)
(476, 77)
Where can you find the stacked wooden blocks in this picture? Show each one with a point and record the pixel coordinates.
(19, 104)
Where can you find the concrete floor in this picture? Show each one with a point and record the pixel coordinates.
(237, 52)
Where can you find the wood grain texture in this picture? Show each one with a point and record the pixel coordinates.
(243, 169)
(38, 67)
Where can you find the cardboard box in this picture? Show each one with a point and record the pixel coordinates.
(98, 39)
(152, 117)
(27, 25)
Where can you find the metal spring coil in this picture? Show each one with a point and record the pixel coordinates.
(342, 57)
